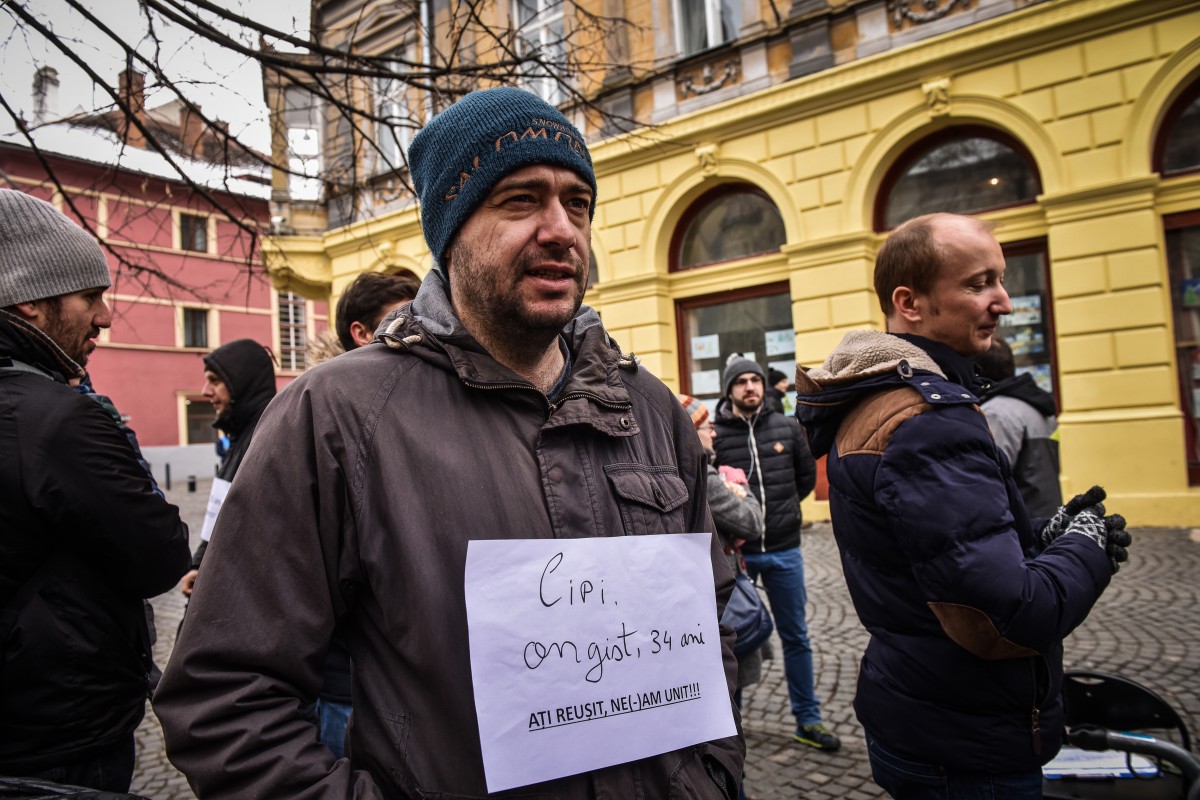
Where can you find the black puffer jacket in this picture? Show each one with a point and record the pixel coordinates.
(773, 451)
(83, 539)
(246, 369)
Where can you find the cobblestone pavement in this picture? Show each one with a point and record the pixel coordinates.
(1147, 626)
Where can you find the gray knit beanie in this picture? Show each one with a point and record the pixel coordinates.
(44, 254)
(737, 365)
(467, 149)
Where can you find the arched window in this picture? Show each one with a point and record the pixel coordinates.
(732, 221)
(962, 170)
(1178, 147)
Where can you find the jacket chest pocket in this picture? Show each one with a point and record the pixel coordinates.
(650, 499)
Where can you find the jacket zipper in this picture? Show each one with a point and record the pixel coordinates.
(550, 407)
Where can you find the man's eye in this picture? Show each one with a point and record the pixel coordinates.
(580, 203)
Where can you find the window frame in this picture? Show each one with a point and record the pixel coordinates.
(1167, 127)
(701, 203)
(194, 222)
(391, 100)
(203, 314)
(539, 26)
(712, 24)
(925, 144)
(292, 353)
(1024, 247)
(1172, 222)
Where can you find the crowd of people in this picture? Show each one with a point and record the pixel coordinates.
(327, 646)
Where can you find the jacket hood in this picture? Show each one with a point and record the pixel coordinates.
(29, 344)
(249, 374)
(1023, 387)
(863, 363)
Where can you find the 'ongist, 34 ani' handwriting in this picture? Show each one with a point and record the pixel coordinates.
(628, 645)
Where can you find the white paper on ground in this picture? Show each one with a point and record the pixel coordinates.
(591, 652)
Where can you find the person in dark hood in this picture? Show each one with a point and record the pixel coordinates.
(1022, 417)
(776, 393)
(84, 538)
(239, 381)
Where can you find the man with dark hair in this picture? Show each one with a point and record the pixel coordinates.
(773, 452)
(967, 600)
(239, 381)
(777, 386)
(1022, 417)
(495, 407)
(84, 538)
(366, 301)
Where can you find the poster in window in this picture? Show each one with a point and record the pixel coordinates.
(780, 342)
(706, 381)
(1025, 340)
(706, 346)
(1189, 292)
(1027, 310)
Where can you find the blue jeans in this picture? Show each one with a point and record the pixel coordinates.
(912, 780)
(331, 721)
(110, 771)
(783, 577)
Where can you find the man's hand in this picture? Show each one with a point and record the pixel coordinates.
(1108, 532)
(189, 580)
(1058, 524)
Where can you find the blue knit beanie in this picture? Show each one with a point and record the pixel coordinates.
(467, 149)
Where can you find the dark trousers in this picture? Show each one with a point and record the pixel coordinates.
(109, 771)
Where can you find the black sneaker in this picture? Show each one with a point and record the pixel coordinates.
(818, 737)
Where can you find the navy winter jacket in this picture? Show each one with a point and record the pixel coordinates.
(966, 614)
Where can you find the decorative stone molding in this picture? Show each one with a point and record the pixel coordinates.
(710, 81)
(937, 96)
(929, 10)
(706, 154)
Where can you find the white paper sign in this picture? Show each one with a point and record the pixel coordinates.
(706, 346)
(591, 652)
(706, 381)
(216, 498)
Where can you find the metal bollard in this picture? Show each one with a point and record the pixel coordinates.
(167, 470)
(191, 483)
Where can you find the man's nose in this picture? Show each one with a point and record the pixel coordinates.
(103, 318)
(555, 226)
(1002, 304)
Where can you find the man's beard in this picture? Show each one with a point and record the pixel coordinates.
(65, 336)
(500, 304)
(745, 409)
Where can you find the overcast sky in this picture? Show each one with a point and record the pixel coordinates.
(226, 84)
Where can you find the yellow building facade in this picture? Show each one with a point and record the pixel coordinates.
(1085, 92)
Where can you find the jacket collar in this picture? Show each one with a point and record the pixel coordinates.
(27, 343)
(429, 328)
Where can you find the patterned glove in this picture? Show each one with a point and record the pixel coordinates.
(1058, 524)
(1118, 540)
(1108, 532)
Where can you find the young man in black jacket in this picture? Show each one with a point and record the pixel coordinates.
(773, 452)
(83, 536)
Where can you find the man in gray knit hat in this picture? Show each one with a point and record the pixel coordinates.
(84, 538)
(494, 406)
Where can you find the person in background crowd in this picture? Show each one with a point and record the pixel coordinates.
(239, 381)
(366, 301)
(776, 397)
(84, 538)
(773, 452)
(493, 407)
(966, 599)
(1022, 418)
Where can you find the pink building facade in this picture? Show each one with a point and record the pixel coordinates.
(191, 281)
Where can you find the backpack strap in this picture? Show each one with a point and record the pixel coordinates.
(10, 366)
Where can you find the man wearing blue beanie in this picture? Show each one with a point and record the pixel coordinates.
(493, 406)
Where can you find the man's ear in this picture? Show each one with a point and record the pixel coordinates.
(909, 305)
(32, 311)
(361, 334)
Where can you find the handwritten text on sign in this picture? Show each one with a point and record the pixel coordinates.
(592, 652)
